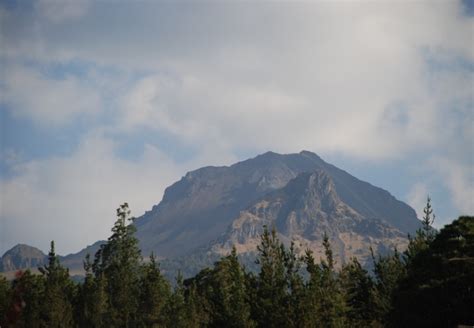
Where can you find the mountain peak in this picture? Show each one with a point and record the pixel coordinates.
(310, 154)
(202, 205)
(302, 211)
(316, 186)
(22, 256)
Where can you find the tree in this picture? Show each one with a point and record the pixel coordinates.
(310, 313)
(439, 287)
(25, 303)
(117, 265)
(57, 308)
(5, 296)
(295, 287)
(359, 293)
(154, 293)
(223, 292)
(388, 272)
(175, 309)
(424, 236)
(328, 299)
(272, 296)
(427, 221)
(92, 301)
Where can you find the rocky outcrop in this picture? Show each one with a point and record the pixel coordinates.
(301, 212)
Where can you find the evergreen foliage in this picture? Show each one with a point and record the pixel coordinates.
(117, 266)
(24, 305)
(359, 290)
(325, 299)
(272, 288)
(92, 299)
(59, 292)
(154, 293)
(431, 284)
(176, 314)
(5, 292)
(440, 280)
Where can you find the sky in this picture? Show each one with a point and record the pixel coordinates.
(103, 102)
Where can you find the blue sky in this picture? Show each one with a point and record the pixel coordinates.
(105, 102)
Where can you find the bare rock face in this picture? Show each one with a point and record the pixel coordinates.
(199, 207)
(300, 194)
(22, 257)
(302, 211)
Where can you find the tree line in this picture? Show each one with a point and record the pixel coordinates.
(431, 284)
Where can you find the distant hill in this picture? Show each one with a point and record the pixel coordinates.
(22, 256)
(212, 208)
(76, 260)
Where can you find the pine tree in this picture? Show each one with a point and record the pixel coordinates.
(57, 308)
(332, 305)
(428, 220)
(424, 236)
(324, 300)
(359, 293)
(26, 299)
(117, 265)
(5, 296)
(310, 315)
(175, 308)
(92, 301)
(195, 303)
(228, 294)
(389, 271)
(272, 297)
(438, 288)
(295, 286)
(154, 293)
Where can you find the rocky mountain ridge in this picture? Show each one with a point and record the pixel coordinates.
(301, 212)
(212, 208)
(200, 207)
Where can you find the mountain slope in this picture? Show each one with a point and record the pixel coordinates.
(211, 208)
(302, 211)
(201, 206)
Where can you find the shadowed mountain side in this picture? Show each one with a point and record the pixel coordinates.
(200, 207)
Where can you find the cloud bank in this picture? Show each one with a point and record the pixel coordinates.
(214, 82)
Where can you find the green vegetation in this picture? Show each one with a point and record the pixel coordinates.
(431, 284)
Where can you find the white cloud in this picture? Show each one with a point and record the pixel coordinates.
(72, 199)
(58, 11)
(459, 179)
(374, 80)
(417, 197)
(325, 74)
(47, 101)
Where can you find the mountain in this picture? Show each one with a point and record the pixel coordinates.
(76, 260)
(202, 206)
(302, 211)
(212, 208)
(22, 257)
